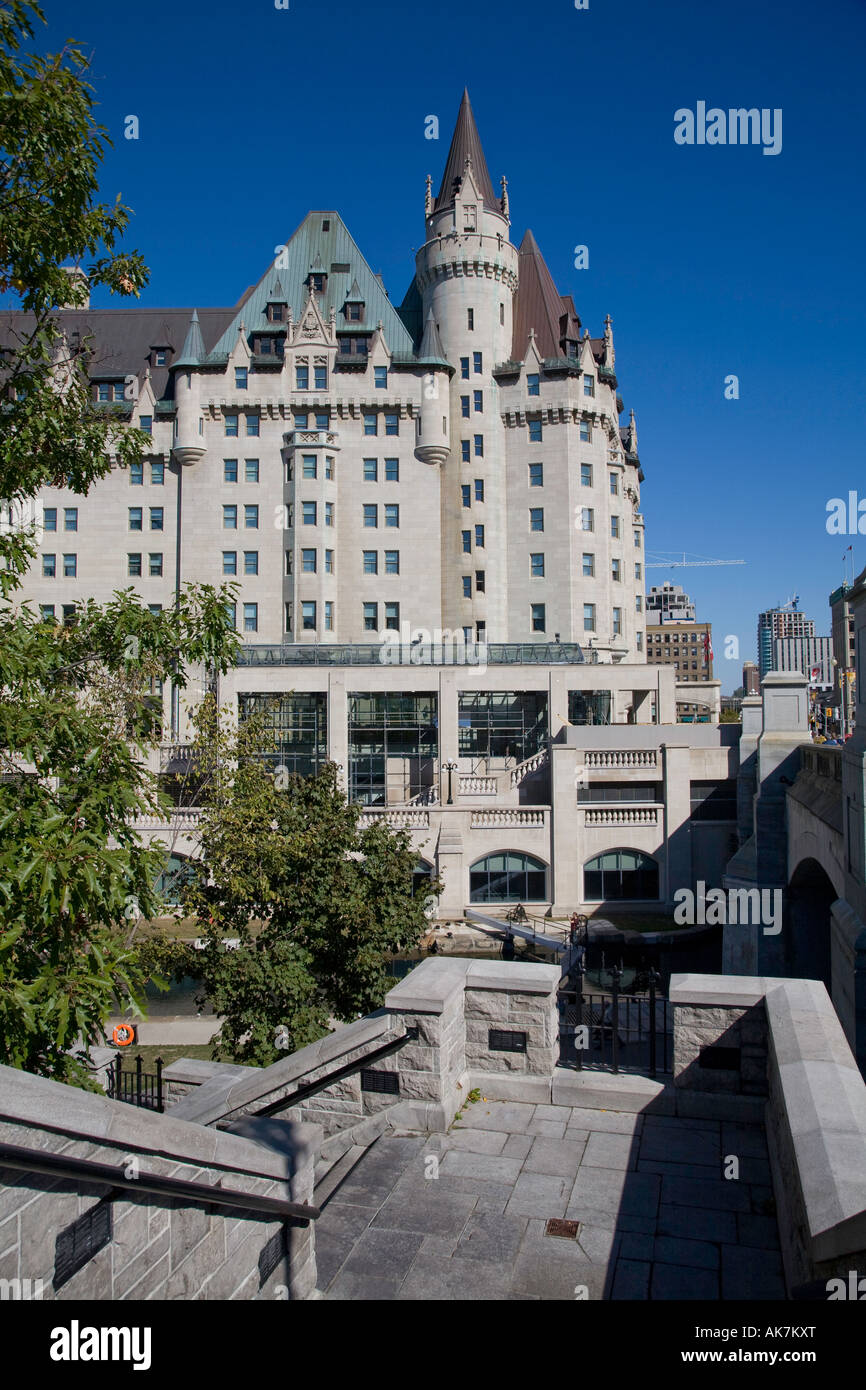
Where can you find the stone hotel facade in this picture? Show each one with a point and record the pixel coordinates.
(432, 515)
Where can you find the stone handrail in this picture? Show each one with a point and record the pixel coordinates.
(494, 820)
(527, 767)
(473, 785)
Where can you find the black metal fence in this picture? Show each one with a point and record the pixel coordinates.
(136, 1086)
(615, 1030)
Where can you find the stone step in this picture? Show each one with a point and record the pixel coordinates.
(335, 1174)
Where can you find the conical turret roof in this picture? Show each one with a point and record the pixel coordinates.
(465, 143)
(192, 351)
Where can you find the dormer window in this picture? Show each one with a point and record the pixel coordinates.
(275, 313)
(355, 313)
(469, 218)
(160, 357)
(317, 283)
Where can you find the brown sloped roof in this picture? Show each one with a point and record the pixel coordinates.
(465, 142)
(537, 304)
(122, 338)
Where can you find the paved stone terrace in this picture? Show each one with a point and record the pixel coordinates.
(658, 1220)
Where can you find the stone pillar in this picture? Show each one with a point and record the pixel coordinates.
(338, 724)
(785, 728)
(566, 838)
(753, 723)
(677, 868)
(432, 1070)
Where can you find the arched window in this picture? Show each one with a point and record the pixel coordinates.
(508, 878)
(175, 873)
(421, 876)
(620, 873)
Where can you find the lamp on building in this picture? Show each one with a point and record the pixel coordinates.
(449, 768)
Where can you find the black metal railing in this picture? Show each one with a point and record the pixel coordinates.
(136, 1086)
(614, 1030)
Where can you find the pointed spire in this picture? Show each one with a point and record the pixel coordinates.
(428, 196)
(355, 296)
(631, 437)
(278, 294)
(503, 201)
(431, 343)
(465, 145)
(609, 354)
(192, 351)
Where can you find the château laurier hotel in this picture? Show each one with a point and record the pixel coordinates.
(433, 516)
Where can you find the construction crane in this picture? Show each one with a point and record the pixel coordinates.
(684, 563)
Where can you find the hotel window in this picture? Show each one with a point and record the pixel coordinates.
(585, 432)
(589, 617)
(251, 470)
(230, 470)
(49, 566)
(240, 378)
(251, 516)
(232, 613)
(616, 570)
(476, 363)
(159, 359)
(329, 468)
(70, 518)
(464, 368)
(392, 616)
(230, 518)
(588, 385)
(103, 393)
(536, 566)
(371, 561)
(253, 425)
(617, 622)
(467, 542)
(470, 320)
(157, 517)
(275, 313)
(371, 514)
(638, 603)
(479, 489)
(371, 424)
(466, 494)
(371, 470)
(586, 475)
(135, 519)
(320, 378)
(371, 617)
(265, 347)
(533, 384)
(477, 400)
(502, 313)
(614, 485)
(308, 514)
(133, 565)
(465, 452)
(136, 474)
(302, 380)
(392, 470)
(309, 467)
(637, 571)
(614, 528)
(464, 407)
(536, 475)
(392, 424)
(230, 562)
(380, 378)
(467, 586)
(538, 618)
(588, 565)
(46, 611)
(536, 518)
(640, 641)
(49, 518)
(251, 562)
(587, 519)
(479, 581)
(69, 615)
(308, 616)
(329, 513)
(329, 562)
(637, 540)
(301, 417)
(392, 514)
(479, 536)
(287, 617)
(535, 431)
(157, 474)
(251, 617)
(232, 426)
(329, 616)
(479, 446)
(308, 561)
(155, 565)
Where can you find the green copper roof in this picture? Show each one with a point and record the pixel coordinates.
(192, 351)
(322, 240)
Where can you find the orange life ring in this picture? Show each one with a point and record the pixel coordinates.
(123, 1035)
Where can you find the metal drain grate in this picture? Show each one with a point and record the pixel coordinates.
(558, 1226)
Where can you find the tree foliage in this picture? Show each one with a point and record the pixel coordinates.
(316, 902)
(77, 714)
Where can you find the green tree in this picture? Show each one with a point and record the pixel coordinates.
(316, 902)
(77, 713)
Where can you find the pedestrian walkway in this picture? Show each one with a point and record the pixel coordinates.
(465, 1215)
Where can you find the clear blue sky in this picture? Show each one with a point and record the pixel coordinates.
(711, 260)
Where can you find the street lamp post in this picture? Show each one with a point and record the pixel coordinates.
(449, 768)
